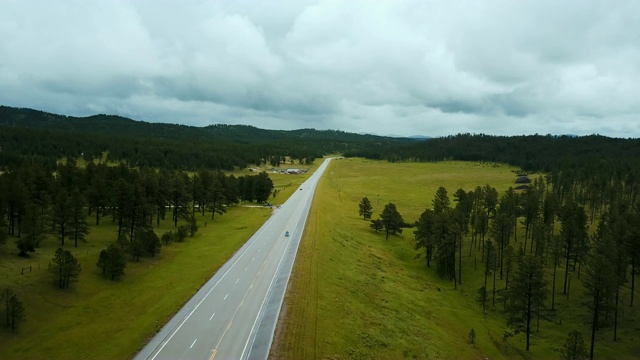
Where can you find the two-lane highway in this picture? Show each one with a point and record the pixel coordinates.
(234, 314)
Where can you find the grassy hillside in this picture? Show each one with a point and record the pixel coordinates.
(355, 295)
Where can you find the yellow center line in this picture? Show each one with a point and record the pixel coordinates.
(242, 302)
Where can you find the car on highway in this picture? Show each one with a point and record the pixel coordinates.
(286, 234)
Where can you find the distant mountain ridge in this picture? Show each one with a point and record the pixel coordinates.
(419, 137)
(117, 125)
(33, 135)
(28, 135)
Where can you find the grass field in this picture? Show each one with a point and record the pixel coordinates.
(354, 295)
(100, 319)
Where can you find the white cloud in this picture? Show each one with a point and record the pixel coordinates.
(390, 67)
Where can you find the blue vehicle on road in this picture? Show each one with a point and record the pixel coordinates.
(286, 234)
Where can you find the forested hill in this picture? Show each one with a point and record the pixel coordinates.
(117, 125)
(531, 153)
(33, 135)
(43, 136)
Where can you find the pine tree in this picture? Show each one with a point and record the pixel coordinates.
(167, 237)
(489, 262)
(3, 228)
(192, 223)
(112, 261)
(151, 242)
(509, 257)
(78, 227)
(136, 248)
(531, 203)
(391, 220)
(5, 295)
(61, 215)
(482, 298)
(500, 231)
(97, 194)
(216, 197)
(263, 185)
(102, 262)
(424, 234)
(556, 248)
(32, 231)
(464, 204)
(64, 268)
(13, 308)
(376, 225)
(181, 233)
(365, 208)
(179, 196)
(574, 234)
(600, 280)
(441, 202)
(574, 348)
(525, 295)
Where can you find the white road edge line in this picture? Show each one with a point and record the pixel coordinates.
(194, 342)
(209, 292)
(265, 300)
(247, 293)
(225, 297)
(268, 293)
(214, 314)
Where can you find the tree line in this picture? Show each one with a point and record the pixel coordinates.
(545, 153)
(35, 202)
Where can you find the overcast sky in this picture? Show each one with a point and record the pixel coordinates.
(383, 67)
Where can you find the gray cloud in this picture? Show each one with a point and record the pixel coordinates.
(402, 67)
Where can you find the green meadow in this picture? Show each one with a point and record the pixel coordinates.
(99, 319)
(355, 295)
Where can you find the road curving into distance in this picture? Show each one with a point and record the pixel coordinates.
(234, 315)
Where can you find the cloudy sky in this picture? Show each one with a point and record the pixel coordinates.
(382, 67)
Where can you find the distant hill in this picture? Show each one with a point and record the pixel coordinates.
(419, 137)
(42, 135)
(121, 126)
(37, 136)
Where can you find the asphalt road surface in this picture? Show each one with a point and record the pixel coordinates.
(233, 316)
